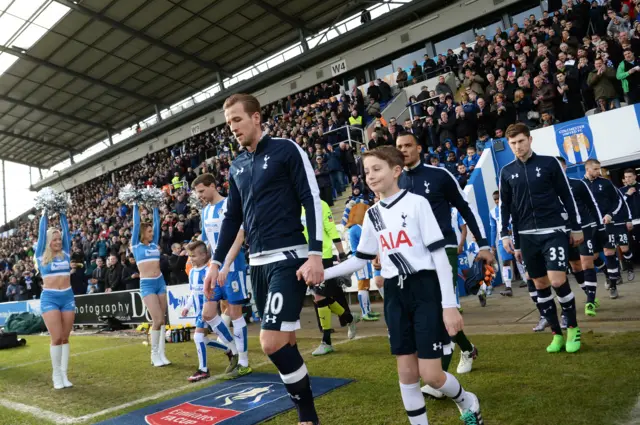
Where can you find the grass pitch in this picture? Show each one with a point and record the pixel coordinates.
(517, 381)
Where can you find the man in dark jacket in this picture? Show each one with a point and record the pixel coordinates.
(78, 281)
(373, 92)
(177, 264)
(385, 90)
(323, 178)
(113, 278)
(130, 274)
(334, 162)
(99, 275)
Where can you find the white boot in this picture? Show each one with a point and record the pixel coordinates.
(56, 353)
(155, 341)
(64, 365)
(161, 345)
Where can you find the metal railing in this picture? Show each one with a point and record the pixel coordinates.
(349, 129)
(411, 105)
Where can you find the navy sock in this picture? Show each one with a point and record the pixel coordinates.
(600, 266)
(533, 293)
(580, 279)
(568, 303)
(613, 268)
(462, 341)
(293, 373)
(547, 307)
(590, 284)
(627, 257)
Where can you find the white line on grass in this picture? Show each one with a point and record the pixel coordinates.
(634, 415)
(112, 347)
(179, 389)
(38, 412)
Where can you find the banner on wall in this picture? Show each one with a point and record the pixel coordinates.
(575, 141)
(177, 296)
(126, 306)
(7, 309)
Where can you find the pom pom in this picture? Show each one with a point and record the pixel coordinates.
(52, 201)
(152, 197)
(130, 195)
(194, 201)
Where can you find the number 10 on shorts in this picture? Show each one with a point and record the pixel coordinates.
(273, 307)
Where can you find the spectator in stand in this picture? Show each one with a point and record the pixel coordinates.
(462, 175)
(385, 90)
(483, 139)
(629, 74)
(416, 72)
(543, 95)
(334, 162)
(442, 87)
(113, 277)
(472, 158)
(178, 265)
(569, 97)
(473, 81)
(503, 112)
(523, 108)
(374, 107)
(78, 280)
(97, 281)
(130, 274)
(355, 120)
(428, 64)
(401, 78)
(373, 92)
(14, 291)
(323, 177)
(601, 80)
(446, 127)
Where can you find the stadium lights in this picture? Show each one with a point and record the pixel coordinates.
(467, 3)
(429, 19)
(380, 40)
(292, 79)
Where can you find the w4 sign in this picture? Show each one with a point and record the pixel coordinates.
(338, 67)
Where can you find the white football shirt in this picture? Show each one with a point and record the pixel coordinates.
(404, 231)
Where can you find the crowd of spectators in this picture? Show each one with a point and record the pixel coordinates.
(581, 59)
(550, 70)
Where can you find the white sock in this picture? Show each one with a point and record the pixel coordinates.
(64, 358)
(240, 338)
(363, 297)
(201, 347)
(507, 276)
(381, 290)
(413, 401)
(521, 270)
(226, 319)
(220, 329)
(454, 391)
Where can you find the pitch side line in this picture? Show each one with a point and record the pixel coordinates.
(113, 347)
(182, 388)
(38, 412)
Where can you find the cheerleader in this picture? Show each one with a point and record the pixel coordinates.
(364, 276)
(56, 301)
(144, 244)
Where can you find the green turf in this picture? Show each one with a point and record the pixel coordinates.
(517, 381)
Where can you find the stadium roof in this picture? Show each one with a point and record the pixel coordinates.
(73, 70)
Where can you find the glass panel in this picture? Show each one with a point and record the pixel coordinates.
(29, 36)
(489, 31)
(6, 60)
(454, 42)
(24, 9)
(519, 17)
(8, 27)
(405, 61)
(51, 15)
(385, 70)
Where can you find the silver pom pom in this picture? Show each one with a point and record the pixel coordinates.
(54, 202)
(195, 202)
(130, 195)
(152, 197)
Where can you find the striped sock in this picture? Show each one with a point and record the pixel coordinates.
(414, 404)
(568, 303)
(613, 268)
(581, 280)
(201, 347)
(547, 306)
(590, 284)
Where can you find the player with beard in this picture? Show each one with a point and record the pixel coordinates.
(269, 183)
(442, 191)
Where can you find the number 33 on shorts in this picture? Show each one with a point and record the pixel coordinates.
(557, 254)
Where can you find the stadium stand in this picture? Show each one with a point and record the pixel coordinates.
(553, 67)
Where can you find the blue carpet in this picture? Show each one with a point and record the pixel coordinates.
(245, 401)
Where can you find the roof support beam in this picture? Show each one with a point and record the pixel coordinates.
(17, 161)
(37, 141)
(50, 111)
(142, 36)
(303, 40)
(294, 22)
(25, 56)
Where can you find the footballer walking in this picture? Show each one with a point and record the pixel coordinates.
(269, 183)
(535, 194)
